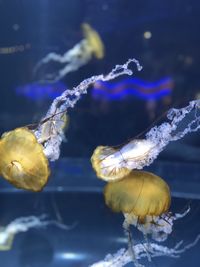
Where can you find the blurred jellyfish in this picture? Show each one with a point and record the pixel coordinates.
(25, 152)
(76, 57)
(113, 163)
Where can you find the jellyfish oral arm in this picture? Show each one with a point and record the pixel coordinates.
(169, 131)
(65, 58)
(73, 59)
(23, 224)
(134, 152)
(160, 229)
(67, 100)
(122, 256)
(149, 249)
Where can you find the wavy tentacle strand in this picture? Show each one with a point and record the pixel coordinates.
(23, 224)
(68, 99)
(169, 131)
(160, 228)
(122, 257)
(75, 58)
(110, 163)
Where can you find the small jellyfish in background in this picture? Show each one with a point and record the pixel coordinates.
(76, 57)
(144, 199)
(23, 162)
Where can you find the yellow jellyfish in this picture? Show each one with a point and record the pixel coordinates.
(78, 56)
(94, 41)
(22, 160)
(104, 161)
(114, 163)
(139, 194)
(142, 197)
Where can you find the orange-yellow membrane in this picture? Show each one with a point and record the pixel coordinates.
(105, 162)
(112, 164)
(94, 40)
(140, 194)
(22, 161)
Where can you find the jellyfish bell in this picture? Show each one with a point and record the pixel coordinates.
(104, 161)
(138, 195)
(112, 164)
(22, 160)
(94, 41)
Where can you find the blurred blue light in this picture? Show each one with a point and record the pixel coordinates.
(133, 87)
(41, 92)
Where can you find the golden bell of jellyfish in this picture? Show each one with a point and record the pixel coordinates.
(94, 40)
(104, 161)
(139, 194)
(114, 163)
(22, 160)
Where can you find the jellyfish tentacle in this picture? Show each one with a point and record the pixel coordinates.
(131, 249)
(68, 99)
(147, 246)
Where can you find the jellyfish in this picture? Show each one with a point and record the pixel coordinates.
(144, 198)
(114, 163)
(111, 164)
(23, 162)
(78, 56)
